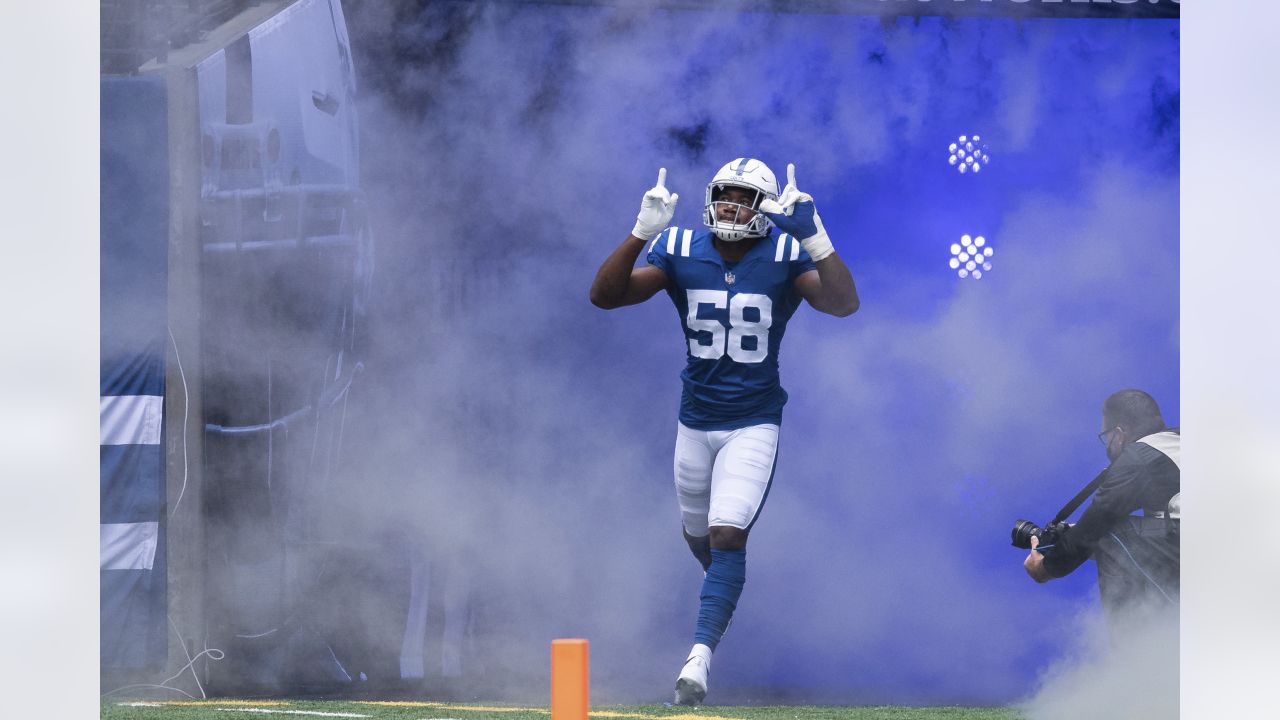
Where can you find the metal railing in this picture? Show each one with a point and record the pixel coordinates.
(135, 31)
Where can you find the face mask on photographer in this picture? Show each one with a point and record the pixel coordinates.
(1113, 437)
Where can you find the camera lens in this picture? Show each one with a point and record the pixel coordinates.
(1023, 531)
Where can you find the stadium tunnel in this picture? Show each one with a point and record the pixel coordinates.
(237, 268)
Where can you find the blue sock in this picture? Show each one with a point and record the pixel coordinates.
(720, 591)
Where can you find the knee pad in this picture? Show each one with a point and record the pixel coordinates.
(744, 474)
(735, 512)
(693, 484)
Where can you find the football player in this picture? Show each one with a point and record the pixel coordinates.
(735, 284)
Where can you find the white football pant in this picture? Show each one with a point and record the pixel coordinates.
(722, 476)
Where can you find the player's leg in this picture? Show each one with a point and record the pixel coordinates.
(701, 548)
(740, 481)
(694, 458)
(741, 475)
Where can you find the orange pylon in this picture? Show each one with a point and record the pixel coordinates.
(569, 679)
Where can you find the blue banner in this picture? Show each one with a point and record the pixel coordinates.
(134, 277)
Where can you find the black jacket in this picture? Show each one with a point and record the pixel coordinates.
(1142, 478)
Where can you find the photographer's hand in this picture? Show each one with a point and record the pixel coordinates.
(1034, 564)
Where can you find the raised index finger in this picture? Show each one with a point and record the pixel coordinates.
(662, 178)
(791, 174)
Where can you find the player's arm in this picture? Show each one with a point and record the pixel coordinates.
(617, 282)
(829, 288)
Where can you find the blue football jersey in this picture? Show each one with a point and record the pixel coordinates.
(734, 316)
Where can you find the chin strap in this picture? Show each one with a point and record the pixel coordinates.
(737, 239)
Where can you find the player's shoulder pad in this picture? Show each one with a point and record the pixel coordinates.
(672, 242)
(787, 249)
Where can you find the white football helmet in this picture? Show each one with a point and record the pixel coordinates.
(747, 174)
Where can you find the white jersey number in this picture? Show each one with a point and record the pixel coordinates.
(740, 327)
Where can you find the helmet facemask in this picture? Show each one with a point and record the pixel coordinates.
(757, 182)
(735, 228)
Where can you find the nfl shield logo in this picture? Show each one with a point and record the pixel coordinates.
(729, 278)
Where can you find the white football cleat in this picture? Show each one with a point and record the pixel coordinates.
(691, 685)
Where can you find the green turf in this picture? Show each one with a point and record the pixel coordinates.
(112, 709)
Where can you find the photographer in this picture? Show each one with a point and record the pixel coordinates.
(1137, 555)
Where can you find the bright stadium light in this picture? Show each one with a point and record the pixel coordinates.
(967, 154)
(971, 257)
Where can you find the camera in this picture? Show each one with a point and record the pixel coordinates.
(1024, 530)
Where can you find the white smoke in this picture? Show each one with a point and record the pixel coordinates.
(1124, 671)
(505, 160)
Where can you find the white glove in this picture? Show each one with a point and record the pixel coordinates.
(656, 209)
(793, 212)
(785, 204)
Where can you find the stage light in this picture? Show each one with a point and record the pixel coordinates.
(968, 153)
(971, 257)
